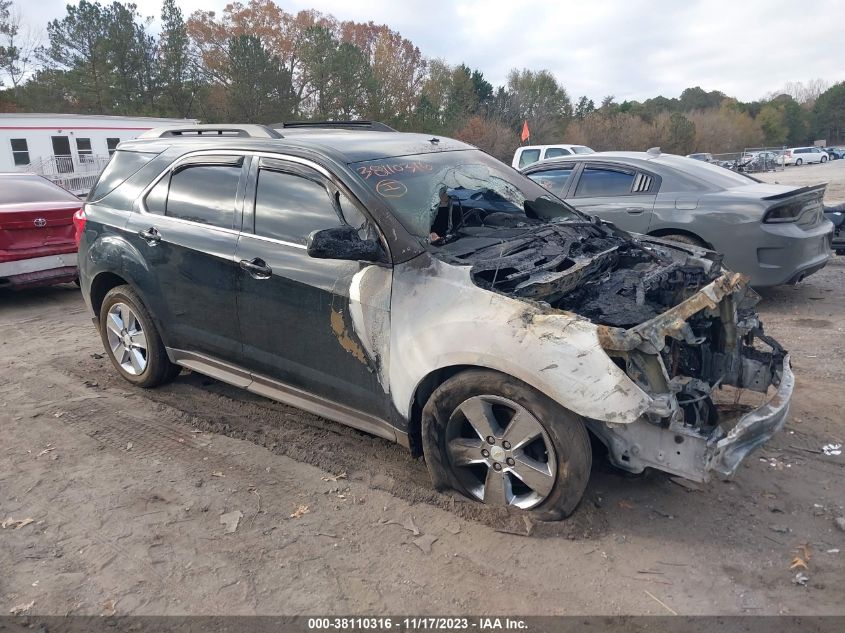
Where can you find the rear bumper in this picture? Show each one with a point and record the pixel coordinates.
(37, 264)
(753, 429)
(48, 277)
(39, 271)
(778, 254)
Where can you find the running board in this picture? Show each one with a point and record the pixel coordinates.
(275, 390)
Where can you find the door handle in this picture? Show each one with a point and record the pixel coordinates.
(151, 236)
(634, 210)
(257, 268)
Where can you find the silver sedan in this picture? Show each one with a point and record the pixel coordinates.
(776, 234)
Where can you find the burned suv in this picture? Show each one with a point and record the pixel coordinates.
(417, 289)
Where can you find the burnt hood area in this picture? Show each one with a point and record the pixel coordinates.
(586, 267)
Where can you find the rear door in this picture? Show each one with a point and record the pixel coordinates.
(616, 193)
(317, 325)
(186, 229)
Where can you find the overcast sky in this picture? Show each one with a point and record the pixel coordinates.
(633, 49)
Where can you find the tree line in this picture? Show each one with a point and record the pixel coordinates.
(257, 63)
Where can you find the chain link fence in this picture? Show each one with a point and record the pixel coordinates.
(752, 159)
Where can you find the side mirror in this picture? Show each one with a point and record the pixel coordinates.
(342, 242)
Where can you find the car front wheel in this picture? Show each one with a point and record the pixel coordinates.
(500, 441)
(824, 159)
(132, 340)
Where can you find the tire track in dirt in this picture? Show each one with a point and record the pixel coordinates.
(196, 402)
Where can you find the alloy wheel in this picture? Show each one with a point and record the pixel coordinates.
(127, 340)
(500, 452)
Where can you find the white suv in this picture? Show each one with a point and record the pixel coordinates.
(530, 154)
(804, 156)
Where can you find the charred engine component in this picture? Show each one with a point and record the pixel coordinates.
(585, 268)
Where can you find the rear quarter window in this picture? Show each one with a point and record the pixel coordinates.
(528, 157)
(121, 167)
(554, 152)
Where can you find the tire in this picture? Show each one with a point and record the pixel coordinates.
(799, 162)
(125, 328)
(684, 239)
(824, 159)
(556, 460)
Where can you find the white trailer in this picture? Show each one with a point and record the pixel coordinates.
(69, 149)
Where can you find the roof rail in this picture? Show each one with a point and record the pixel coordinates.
(209, 131)
(372, 126)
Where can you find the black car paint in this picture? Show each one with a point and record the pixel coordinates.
(202, 300)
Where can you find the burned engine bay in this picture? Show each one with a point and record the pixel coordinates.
(683, 329)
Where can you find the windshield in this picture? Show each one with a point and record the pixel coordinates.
(438, 196)
(581, 149)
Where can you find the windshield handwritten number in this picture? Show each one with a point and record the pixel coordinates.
(391, 188)
(380, 171)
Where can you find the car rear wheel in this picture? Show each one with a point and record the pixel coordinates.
(824, 159)
(132, 341)
(799, 162)
(502, 442)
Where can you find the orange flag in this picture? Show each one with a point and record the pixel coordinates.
(525, 133)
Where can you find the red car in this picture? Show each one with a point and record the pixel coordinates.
(37, 232)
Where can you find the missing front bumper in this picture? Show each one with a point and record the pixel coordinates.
(753, 429)
(686, 453)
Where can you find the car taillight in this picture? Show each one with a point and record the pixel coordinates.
(783, 213)
(79, 225)
(787, 153)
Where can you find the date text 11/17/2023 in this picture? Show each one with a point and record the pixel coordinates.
(421, 623)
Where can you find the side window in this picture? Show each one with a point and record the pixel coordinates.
(20, 151)
(289, 207)
(596, 181)
(204, 194)
(111, 143)
(555, 180)
(83, 149)
(554, 152)
(528, 156)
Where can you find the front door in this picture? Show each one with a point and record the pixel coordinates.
(61, 152)
(186, 231)
(318, 325)
(620, 195)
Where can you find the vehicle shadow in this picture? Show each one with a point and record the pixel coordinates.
(27, 298)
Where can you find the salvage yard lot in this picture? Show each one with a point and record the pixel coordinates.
(126, 489)
(832, 172)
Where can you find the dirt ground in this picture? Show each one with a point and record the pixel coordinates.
(129, 491)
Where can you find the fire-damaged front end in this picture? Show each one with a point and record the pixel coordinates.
(684, 331)
(697, 360)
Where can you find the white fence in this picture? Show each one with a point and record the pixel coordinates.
(74, 176)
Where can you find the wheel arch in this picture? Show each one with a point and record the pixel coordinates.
(420, 395)
(427, 386)
(672, 231)
(100, 286)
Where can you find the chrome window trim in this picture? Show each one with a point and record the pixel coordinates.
(274, 240)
